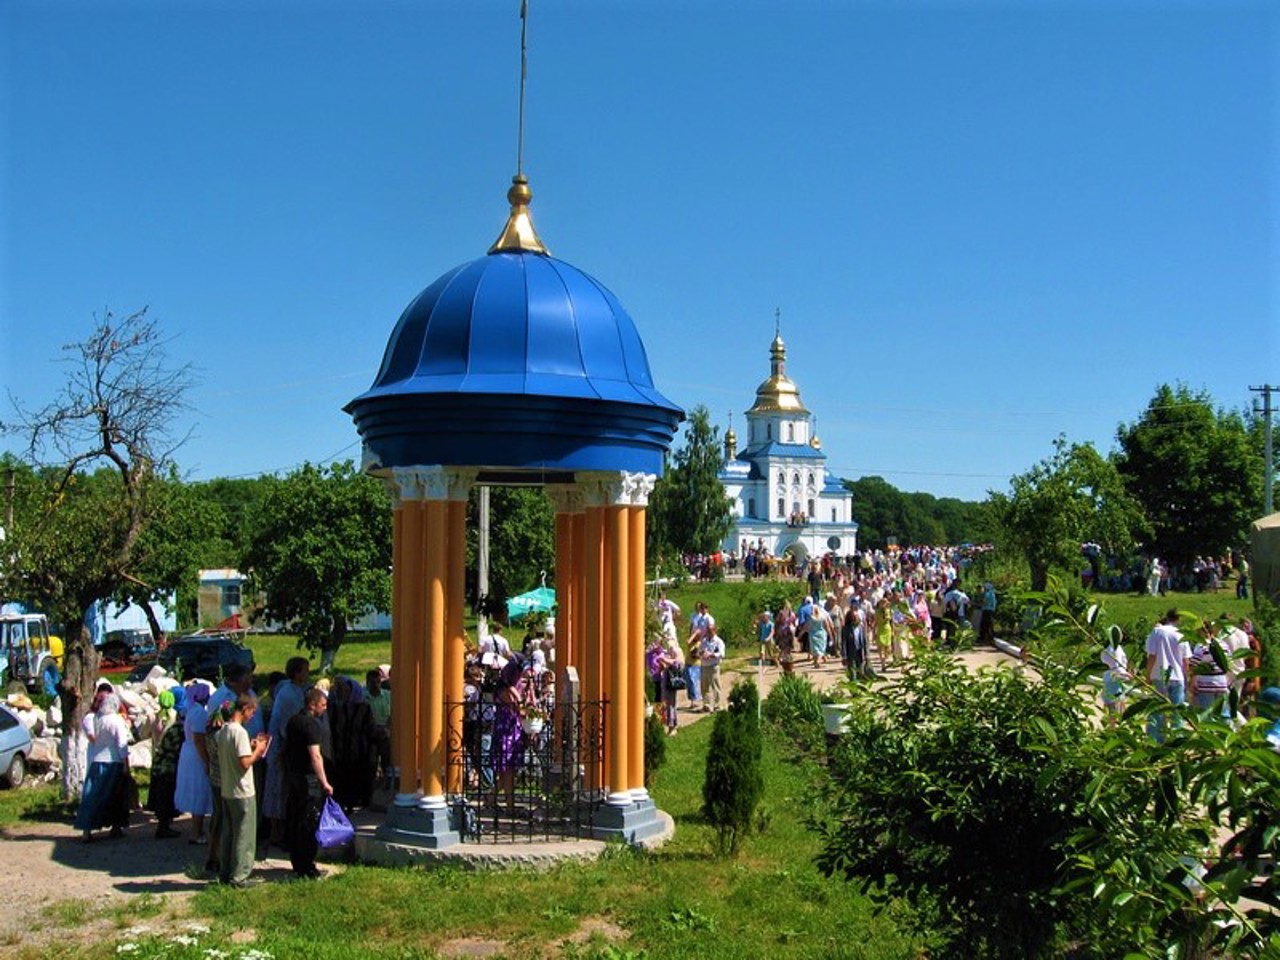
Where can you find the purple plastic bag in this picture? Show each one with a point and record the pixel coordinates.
(334, 829)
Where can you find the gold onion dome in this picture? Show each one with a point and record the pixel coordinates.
(815, 442)
(518, 236)
(778, 393)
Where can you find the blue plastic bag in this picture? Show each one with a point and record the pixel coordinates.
(334, 829)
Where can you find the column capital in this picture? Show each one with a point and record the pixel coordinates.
(430, 483)
(642, 485)
(566, 497)
(616, 489)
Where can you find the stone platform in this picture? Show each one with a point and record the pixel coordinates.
(495, 855)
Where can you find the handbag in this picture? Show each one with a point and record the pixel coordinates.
(334, 829)
(675, 678)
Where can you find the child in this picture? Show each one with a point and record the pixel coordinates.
(1116, 676)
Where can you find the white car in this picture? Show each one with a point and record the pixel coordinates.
(15, 747)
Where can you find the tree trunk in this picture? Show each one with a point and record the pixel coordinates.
(79, 676)
(157, 632)
(1039, 576)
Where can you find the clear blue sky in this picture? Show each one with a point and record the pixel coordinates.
(984, 223)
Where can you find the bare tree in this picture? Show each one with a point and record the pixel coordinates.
(98, 449)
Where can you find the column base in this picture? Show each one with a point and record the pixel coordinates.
(634, 823)
(431, 828)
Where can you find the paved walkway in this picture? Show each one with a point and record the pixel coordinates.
(823, 678)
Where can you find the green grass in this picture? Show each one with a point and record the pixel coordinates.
(1129, 608)
(678, 902)
(41, 802)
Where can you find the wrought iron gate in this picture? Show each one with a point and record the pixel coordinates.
(512, 780)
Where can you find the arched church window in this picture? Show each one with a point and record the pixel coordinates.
(782, 480)
(795, 478)
(751, 507)
(791, 433)
(811, 510)
(782, 507)
(768, 431)
(811, 481)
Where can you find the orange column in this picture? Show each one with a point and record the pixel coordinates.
(431, 745)
(590, 660)
(579, 600)
(455, 644)
(405, 675)
(636, 650)
(619, 770)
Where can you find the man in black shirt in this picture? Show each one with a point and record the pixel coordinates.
(306, 782)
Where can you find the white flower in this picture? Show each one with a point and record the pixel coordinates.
(255, 955)
(183, 940)
(128, 948)
(214, 954)
(197, 928)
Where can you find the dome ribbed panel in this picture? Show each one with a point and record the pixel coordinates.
(516, 360)
(445, 347)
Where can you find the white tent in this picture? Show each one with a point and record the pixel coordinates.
(1264, 560)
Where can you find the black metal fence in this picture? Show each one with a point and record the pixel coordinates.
(513, 779)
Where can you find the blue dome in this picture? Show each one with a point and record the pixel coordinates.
(517, 361)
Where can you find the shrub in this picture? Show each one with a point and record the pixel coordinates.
(795, 708)
(734, 780)
(655, 746)
(943, 800)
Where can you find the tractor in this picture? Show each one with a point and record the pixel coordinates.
(28, 653)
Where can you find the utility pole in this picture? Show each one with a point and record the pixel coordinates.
(482, 562)
(1265, 390)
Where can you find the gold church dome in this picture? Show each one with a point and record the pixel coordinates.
(778, 394)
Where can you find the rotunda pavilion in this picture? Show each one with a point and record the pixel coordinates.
(516, 368)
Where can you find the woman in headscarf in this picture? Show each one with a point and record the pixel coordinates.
(104, 800)
(164, 762)
(351, 726)
(194, 795)
(514, 693)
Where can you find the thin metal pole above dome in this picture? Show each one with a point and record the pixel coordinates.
(519, 235)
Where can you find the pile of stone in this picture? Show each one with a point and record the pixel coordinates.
(140, 699)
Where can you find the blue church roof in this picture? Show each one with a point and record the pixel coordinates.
(772, 448)
(516, 360)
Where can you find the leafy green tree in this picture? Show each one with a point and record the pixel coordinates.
(321, 552)
(1195, 470)
(181, 536)
(98, 452)
(689, 511)
(1069, 498)
(235, 500)
(884, 511)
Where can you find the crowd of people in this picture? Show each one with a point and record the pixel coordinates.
(870, 606)
(1208, 671)
(217, 750)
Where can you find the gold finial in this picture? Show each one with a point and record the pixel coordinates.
(519, 236)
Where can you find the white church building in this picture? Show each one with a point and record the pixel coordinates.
(783, 497)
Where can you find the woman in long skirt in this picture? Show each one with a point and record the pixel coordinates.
(194, 795)
(104, 800)
(164, 764)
